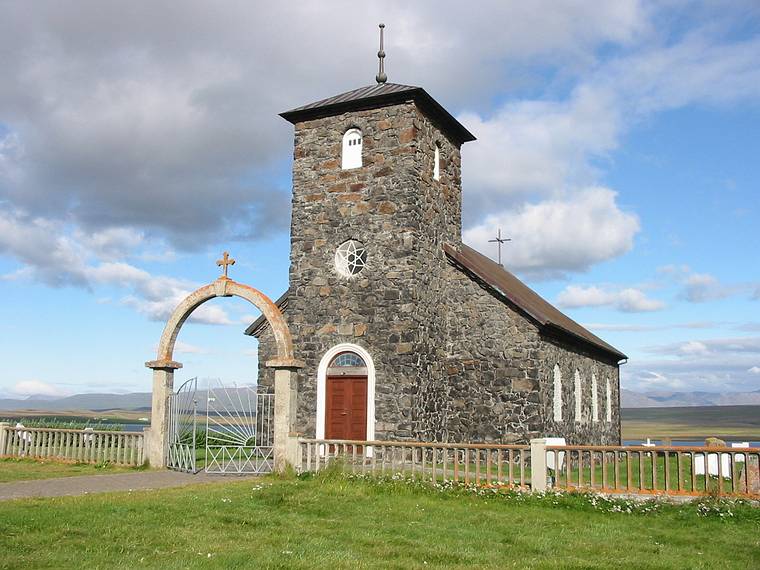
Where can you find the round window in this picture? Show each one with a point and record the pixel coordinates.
(350, 258)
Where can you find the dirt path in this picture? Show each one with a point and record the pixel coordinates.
(87, 484)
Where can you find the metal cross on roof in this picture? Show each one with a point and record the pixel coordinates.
(225, 262)
(500, 240)
(381, 77)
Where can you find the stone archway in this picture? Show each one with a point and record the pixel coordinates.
(164, 366)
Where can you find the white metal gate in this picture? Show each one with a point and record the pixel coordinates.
(182, 440)
(239, 429)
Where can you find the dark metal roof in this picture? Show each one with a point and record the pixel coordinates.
(378, 96)
(523, 297)
(260, 324)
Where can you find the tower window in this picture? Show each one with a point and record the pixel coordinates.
(437, 162)
(578, 397)
(352, 149)
(350, 258)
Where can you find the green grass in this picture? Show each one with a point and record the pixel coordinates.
(24, 469)
(332, 522)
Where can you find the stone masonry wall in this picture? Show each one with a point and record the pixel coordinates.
(490, 364)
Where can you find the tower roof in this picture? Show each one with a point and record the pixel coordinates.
(381, 95)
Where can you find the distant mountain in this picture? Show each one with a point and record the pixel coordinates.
(42, 397)
(137, 401)
(93, 402)
(661, 399)
(142, 400)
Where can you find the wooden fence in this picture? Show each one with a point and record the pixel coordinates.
(84, 446)
(661, 470)
(479, 464)
(635, 470)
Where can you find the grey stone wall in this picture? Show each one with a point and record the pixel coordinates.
(453, 362)
(487, 366)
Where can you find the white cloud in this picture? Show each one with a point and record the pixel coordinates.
(713, 365)
(36, 387)
(693, 347)
(111, 244)
(172, 116)
(737, 346)
(701, 287)
(538, 147)
(646, 380)
(754, 370)
(628, 300)
(153, 130)
(554, 150)
(186, 348)
(557, 235)
(59, 259)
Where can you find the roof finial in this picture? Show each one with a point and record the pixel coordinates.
(381, 77)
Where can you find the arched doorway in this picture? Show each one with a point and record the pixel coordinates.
(346, 398)
(346, 394)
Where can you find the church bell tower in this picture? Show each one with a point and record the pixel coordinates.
(376, 195)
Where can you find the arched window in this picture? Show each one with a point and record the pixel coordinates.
(557, 394)
(594, 399)
(609, 401)
(578, 396)
(352, 149)
(437, 162)
(347, 360)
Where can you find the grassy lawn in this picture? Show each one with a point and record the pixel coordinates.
(333, 522)
(23, 469)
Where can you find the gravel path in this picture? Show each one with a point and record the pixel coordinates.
(86, 484)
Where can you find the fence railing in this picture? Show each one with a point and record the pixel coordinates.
(479, 464)
(85, 446)
(664, 470)
(635, 470)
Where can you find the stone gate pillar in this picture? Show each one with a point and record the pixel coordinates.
(163, 386)
(286, 450)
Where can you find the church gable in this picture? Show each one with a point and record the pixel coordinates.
(503, 283)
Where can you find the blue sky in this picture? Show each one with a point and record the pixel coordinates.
(617, 146)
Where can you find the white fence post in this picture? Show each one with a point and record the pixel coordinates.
(3, 436)
(538, 470)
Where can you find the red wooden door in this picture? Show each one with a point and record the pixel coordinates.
(346, 410)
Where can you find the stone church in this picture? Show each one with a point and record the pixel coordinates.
(407, 333)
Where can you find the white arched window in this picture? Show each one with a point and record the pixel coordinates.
(609, 401)
(352, 149)
(557, 394)
(594, 399)
(437, 163)
(578, 396)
